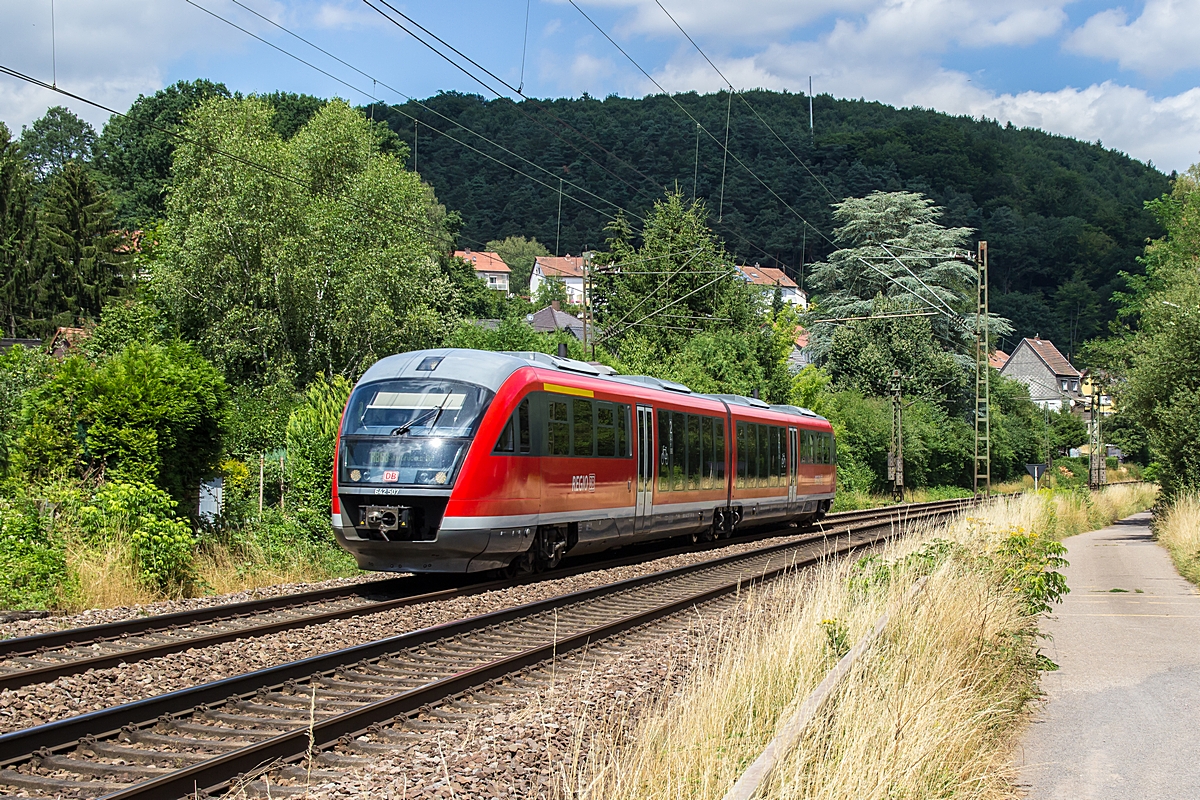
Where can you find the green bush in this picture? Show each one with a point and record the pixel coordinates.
(33, 561)
(1030, 563)
(148, 413)
(311, 434)
(162, 545)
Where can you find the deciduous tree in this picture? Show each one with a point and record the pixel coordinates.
(319, 263)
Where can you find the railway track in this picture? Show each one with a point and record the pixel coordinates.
(202, 738)
(44, 657)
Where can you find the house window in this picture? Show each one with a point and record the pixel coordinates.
(1075, 386)
(1064, 386)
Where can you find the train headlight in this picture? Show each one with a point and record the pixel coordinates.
(355, 475)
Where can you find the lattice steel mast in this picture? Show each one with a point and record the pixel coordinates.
(983, 418)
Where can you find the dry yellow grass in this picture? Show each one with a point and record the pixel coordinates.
(930, 711)
(1178, 530)
(103, 577)
(223, 570)
(1078, 512)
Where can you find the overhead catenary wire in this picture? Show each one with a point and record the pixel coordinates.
(417, 122)
(397, 110)
(509, 86)
(418, 223)
(483, 83)
(742, 97)
(740, 163)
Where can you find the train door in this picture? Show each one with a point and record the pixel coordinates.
(644, 508)
(793, 465)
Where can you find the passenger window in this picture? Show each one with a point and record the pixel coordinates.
(695, 460)
(524, 438)
(743, 454)
(764, 455)
(664, 451)
(606, 433)
(719, 454)
(583, 428)
(751, 455)
(623, 431)
(560, 429)
(773, 433)
(506, 441)
(678, 450)
(706, 438)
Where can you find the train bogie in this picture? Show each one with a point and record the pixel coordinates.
(462, 461)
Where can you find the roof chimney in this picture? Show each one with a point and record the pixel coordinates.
(554, 305)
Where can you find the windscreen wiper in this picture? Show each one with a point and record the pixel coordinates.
(433, 412)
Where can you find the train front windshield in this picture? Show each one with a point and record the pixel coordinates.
(409, 431)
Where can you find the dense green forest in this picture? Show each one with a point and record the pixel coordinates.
(1062, 217)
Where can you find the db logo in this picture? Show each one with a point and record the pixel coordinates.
(391, 476)
(583, 483)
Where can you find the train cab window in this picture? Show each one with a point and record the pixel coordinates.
(559, 440)
(524, 439)
(584, 423)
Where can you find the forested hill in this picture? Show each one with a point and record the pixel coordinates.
(1062, 217)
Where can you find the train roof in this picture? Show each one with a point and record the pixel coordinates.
(491, 369)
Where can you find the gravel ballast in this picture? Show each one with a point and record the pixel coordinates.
(97, 689)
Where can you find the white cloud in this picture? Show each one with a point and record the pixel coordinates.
(1165, 38)
(892, 54)
(109, 52)
(1165, 131)
(343, 16)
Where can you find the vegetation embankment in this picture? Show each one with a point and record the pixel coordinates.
(930, 711)
(1177, 528)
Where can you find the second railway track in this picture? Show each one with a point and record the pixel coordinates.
(203, 737)
(45, 657)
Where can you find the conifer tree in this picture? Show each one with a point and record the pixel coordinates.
(80, 268)
(17, 235)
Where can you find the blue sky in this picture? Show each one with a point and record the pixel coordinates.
(1126, 75)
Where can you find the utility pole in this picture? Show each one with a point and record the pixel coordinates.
(983, 421)
(896, 453)
(587, 296)
(1098, 462)
(812, 136)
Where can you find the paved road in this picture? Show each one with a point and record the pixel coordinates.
(1122, 716)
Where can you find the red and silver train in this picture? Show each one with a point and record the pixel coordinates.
(464, 460)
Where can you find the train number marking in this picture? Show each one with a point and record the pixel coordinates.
(583, 483)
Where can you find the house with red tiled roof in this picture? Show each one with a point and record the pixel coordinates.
(767, 278)
(1053, 383)
(997, 359)
(567, 270)
(490, 267)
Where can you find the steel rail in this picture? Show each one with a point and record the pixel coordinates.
(216, 773)
(38, 644)
(56, 737)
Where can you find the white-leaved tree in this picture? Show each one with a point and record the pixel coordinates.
(893, 249)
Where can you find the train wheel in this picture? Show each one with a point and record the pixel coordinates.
(545, 553)
(706, 535)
